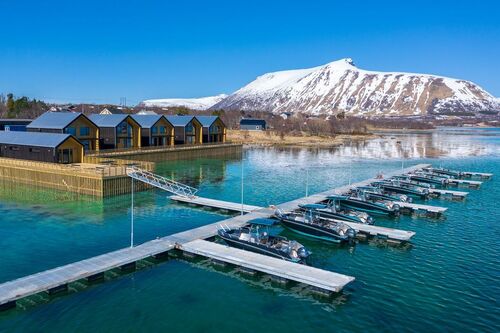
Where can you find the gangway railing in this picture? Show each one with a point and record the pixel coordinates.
(161, 182)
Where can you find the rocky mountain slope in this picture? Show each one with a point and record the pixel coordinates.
(342, 87)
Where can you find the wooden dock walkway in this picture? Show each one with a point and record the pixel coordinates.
(223, 205)
(419, 209)
(454, 195)
(482, 175)
(308, 275)
(57, 279)
(463, 182)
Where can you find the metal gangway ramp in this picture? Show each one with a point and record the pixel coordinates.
(161, 182)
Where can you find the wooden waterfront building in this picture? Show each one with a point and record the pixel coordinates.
(76, 124)
(39, 146)
(156, 130)
(214, 129)
(117, 131)
(187, 129)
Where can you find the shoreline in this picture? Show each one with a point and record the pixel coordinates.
(273, 139)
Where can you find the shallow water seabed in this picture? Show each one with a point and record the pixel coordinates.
(448, 279)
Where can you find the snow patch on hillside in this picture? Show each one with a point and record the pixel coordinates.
(202, 103)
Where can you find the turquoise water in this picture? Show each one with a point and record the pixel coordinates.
(446, 281)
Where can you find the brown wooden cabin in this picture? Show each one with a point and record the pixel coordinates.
(187, 129)
(156, 130)
(214, 129)
(42, 147)
(117, 131)
(76, 124)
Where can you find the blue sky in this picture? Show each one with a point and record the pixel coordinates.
(99, 51)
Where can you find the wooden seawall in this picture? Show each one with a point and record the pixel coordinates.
(157, 154)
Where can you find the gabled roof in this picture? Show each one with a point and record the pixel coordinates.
(36, 139)
(113, 110)
(108, 120)
(179, 120)
(146, 120)
(252, 121)
(207, 121)
(54, 120)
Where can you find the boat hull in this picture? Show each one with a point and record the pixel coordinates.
(314, 231)
(252, 247)
(368, 207)
(406, 191)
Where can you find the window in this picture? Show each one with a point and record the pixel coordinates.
(84, 131)
(70, 130)
(154, 130)
(34, 150)
(14, 148)
(163, 129)
(189, 128)
(124, 128)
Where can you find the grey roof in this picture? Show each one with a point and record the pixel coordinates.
(207, 121)
(54, 120)
(146, 120)
(252, 121)
(107, 120)
(179, 120)
(36, 139)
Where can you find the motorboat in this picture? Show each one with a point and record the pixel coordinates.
(309, 223)
(252, 239)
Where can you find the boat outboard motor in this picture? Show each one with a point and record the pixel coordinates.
(351, 233)
(303, 253)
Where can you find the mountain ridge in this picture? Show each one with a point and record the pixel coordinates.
(340, 86)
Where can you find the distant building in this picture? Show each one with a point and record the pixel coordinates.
(111, 110)
(18, 125)
(43, 147)
(187, 129)
(156, 130)
(214, 129)
(117, 131)
(252, 124)
(146, 112)
(76, 124)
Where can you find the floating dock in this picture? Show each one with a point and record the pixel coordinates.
(218, 204)
(57, 279)
(465, 183)
(421, 210)
(448, 194)
(319, 278)
(482, 175)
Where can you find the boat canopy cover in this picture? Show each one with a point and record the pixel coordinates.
(338, 197)
(313, 206)
(263, 221)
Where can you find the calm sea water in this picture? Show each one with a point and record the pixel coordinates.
(447, 281)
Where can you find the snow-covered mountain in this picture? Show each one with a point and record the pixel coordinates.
(342, 87)
(202, 103)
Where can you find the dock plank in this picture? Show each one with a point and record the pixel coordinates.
(300, 273)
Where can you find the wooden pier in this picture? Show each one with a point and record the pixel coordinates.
(465, 183)
(217, 204)
(481, 175)
(445, 194)
(192, 241)
(421, 210)
(319, 278)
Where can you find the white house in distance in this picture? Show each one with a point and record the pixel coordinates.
(111, 110)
